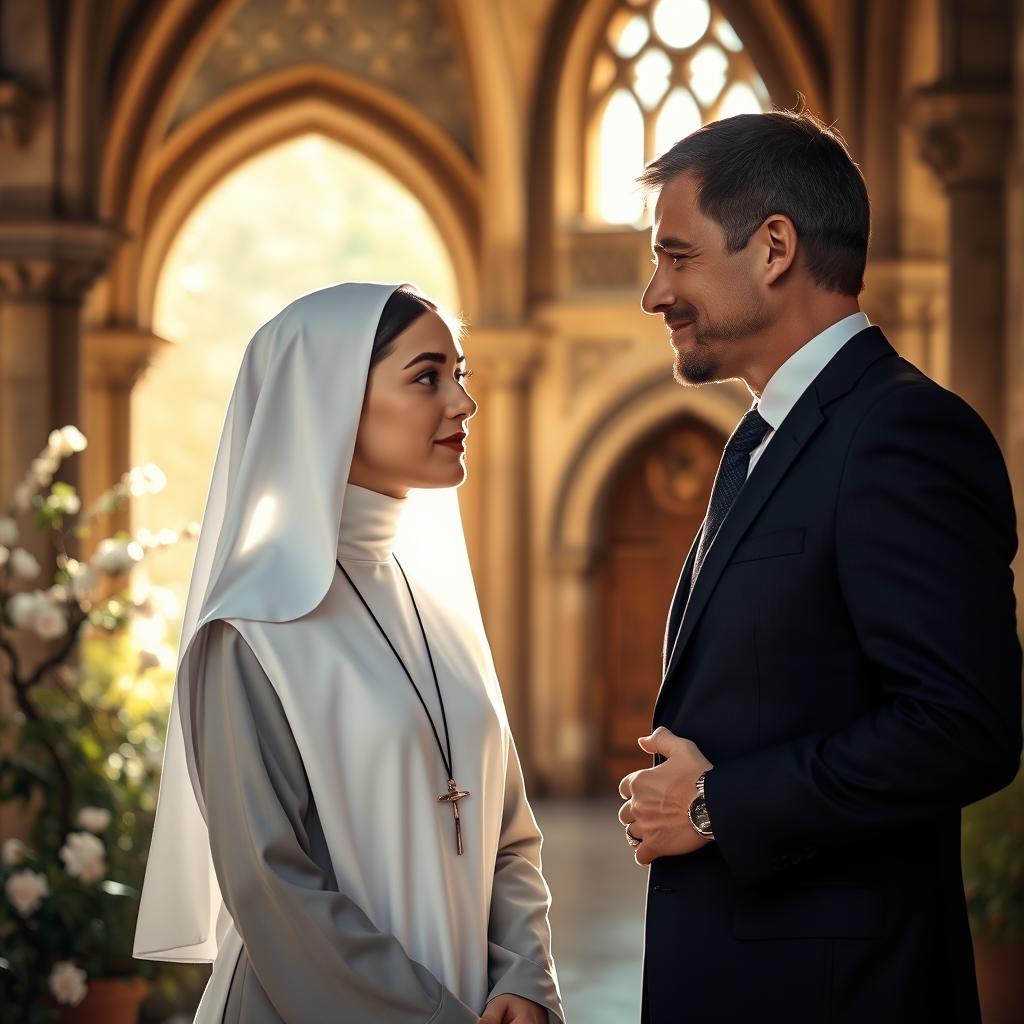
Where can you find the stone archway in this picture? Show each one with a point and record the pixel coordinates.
(654, 505)
(297, 217)
(566, 704)
(173, 173)
(305, 99)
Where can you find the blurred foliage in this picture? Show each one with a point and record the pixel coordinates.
(106, 723)
(89, 668)
(993, 863)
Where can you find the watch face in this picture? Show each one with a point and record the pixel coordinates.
(699, 815)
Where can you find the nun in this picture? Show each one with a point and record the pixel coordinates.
(342, 827)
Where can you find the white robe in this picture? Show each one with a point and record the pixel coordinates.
(477, 922)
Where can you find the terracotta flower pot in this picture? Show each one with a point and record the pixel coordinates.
(108, 1001)
(1000, 981)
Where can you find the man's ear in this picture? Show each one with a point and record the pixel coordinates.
(780, 241)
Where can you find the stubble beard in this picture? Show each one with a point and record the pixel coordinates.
(706, 360)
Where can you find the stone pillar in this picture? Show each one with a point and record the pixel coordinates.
(115, 358)
(908, 299)
(505, 358)
(964, 136)
(566, 717)
(45, 270)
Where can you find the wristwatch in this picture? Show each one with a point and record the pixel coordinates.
(699, 817)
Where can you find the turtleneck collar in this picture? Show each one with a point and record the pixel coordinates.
(369, 522)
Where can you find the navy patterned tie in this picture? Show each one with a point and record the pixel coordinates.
(732, 474)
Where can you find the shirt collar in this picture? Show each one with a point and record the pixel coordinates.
(797, 373)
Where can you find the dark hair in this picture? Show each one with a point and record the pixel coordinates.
(404, 307)
(751, 166)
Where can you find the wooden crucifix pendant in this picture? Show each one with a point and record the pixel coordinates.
(453, 796)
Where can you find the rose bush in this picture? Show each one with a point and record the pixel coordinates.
(88, 665)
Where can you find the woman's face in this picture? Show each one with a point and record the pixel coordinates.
(412, 430)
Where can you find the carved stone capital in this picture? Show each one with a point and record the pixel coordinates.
(53, 261)
(18, 113)
(117, 356)
(505, 356)
(964, 134)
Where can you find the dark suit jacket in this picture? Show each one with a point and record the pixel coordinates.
(849, 663)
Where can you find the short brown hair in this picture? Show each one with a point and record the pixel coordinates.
(751, 166)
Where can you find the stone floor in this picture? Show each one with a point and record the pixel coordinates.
(596, 912)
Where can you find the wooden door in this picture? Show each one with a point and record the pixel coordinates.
(655, 505)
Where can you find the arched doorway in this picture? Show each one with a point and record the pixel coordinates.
(655, 504)
(301, 215)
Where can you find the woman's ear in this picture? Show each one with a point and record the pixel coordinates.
(780, 241)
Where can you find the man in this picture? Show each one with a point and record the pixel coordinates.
(842, 672)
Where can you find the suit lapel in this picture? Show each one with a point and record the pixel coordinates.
(803, 421)
(679, 601)
(784, 447)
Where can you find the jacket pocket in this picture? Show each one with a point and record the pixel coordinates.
(769, 545)
(811, 911)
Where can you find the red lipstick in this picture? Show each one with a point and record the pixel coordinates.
(456, 442)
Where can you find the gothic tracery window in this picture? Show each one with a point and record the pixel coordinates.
(665, 67)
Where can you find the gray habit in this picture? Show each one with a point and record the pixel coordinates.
(309, 953)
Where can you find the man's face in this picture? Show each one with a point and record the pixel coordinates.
(711, 300)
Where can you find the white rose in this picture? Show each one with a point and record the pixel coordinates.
(14, 852)
(24, 564)
(83, 856)
(95, 819)
(66, 441)
(51, 622)
(23, 608)
(8, 531)
(85, 581)
(43, 468)
(115, 557)
(74, 439)
(67, 504)
(67, 983)
(148, 479)
(26, 891)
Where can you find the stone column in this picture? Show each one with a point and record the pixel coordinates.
(566, 716)
(908, 299)
(115, 358)
(46, 268)
(505, 358)
(964, 136)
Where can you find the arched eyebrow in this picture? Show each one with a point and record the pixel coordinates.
(674, 244)
(431, 357)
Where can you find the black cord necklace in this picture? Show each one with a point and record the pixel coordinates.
(454, 794)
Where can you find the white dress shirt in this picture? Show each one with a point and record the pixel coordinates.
(797, 373)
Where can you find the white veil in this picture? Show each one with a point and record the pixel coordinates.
(266, 554)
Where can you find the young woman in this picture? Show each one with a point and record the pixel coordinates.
(342, 826)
